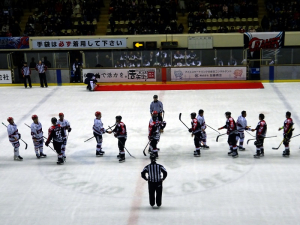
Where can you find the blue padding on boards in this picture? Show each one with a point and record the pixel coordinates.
(58, 77)
(271, 73)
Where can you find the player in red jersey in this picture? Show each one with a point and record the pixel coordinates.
(120, 132)
(155, 128)
(232, 133)
(57, 133)
(287, 133)
(196, 132)
(261, 130)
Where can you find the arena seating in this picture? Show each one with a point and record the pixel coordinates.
(143, 17)
(283, 15)
(10, 16)
(222, 16)
(64, 18)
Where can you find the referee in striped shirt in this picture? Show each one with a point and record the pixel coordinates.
(154, 179)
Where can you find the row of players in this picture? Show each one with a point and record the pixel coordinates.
(58, 134)
(235, 131)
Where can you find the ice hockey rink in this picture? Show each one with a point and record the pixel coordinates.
(213, 189)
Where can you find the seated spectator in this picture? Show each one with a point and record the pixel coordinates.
(180, 28)
(251, 30)
(118, 65)
(118, 32)
(241, 30)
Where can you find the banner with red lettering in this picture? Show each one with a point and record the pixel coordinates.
(263, 40)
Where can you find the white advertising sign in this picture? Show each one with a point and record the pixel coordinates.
(76, 43)
(5, 77)
(208, 73)
(122, 75)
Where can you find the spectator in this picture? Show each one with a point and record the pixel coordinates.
(77, 70)
(265, 23)
(32, 63)
(46, 62)
(180, 28)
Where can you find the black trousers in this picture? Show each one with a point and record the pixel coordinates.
(77, 75)
(155, 187)
(57, 146)
(121, 143)
(43, 79)
(27, 77)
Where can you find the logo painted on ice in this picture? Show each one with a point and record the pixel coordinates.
(178, 74)
(186, 175)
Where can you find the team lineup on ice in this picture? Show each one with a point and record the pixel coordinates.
(257, 124)
(60, 129)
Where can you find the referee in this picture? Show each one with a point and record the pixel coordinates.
(154, 179)
(157, 106)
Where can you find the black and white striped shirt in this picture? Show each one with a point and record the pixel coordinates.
(154, 171)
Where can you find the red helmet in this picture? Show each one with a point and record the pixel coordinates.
(34, 117)
(61, 114)
(97, 113)
(154, 112)
(9, 119)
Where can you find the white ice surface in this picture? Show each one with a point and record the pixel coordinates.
(213, 189)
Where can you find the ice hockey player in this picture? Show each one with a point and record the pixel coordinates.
(196, 132)
(157, 106)
(37, 137)
(14, 136)
(66, 125)
(201, 121)
(241, 124)
(232, 133)
(98, 130)
(120, 132)
(261, 130)
(58, 135)
(287, 133)
(155, 127)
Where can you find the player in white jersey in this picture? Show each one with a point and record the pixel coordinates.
(241, 125)
(201, 121)
(98, 130)
(66, 125)
(14, 137)
(37, 137)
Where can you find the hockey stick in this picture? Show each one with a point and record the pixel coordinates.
(255, 138)
(217, 139)
(145, 148)
(126, 149)
(20, 138)
(182, 122)
(89, 139)
(249, 134)
(212, 128)
(94, 136)
(44, 138)
(283, 139)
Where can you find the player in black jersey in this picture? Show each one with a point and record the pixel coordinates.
(58, 135)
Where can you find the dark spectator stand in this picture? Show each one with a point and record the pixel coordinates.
(62, 18)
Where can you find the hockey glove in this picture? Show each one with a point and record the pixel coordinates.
(69, 129)
(190, 130)
(47, 143)
(19, 136)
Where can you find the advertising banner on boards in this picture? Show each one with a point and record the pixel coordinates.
(208, 73)
(123, 75)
